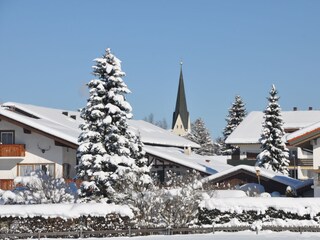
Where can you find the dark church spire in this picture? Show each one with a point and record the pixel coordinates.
(181, 120)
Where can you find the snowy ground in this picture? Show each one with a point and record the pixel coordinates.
(246, 235)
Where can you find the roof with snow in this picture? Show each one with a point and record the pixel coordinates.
(64, 125)
(249, 130)
(205, 164)
(305, 134)
(264, 173)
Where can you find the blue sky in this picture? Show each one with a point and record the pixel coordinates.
(228, 48)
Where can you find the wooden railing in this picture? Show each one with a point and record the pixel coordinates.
(12, 150)
(6, 184)
(301, 162)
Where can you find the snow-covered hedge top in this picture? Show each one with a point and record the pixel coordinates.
(299, 206)
(65, 211)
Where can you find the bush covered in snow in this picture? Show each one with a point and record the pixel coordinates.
(173, 204)
(38, 188)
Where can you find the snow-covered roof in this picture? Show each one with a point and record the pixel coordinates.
(206, 164)
(48, 120)
(151, 134)
(66, 127)
(278, 177)
(249, 130)
(304, 134)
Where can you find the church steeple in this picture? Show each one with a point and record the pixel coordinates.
(181, 120)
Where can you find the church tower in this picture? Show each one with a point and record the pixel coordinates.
(181, 120)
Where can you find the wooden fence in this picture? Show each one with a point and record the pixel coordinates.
(153, 231)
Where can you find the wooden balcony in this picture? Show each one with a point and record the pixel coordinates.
(12, 150)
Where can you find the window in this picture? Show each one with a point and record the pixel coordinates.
(26, 169)
(160, 175)
(66, 170)
(7, 137)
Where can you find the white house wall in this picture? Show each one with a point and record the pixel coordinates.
(69, 157)
(316, 153)
(316, 165)
(303, 154)
(33, 142)
(249, 148)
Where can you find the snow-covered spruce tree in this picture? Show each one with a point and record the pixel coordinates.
(200, 134)
(111, 160)
(237, 113)
(274, 153)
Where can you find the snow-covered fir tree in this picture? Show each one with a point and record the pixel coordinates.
(237, 113)
(112, 164)
(200, 134)
(274, 153)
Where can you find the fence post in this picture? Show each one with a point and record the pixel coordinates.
(129, 228)
(213, 230)
(80, 233)
(168, 231)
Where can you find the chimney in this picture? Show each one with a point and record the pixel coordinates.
(310, 108)
(295, 108)
(187, 150)
(65, 113)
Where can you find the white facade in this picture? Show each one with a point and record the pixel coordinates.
(40, 152)
(316, 165)
(178, 128)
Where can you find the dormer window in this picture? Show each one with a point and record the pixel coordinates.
(7, 137)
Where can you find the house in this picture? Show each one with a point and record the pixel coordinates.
(35, 137)
(308, 138)
(246, 136)
(271, 181)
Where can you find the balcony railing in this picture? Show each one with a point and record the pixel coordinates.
(12, 150)
(301, 162)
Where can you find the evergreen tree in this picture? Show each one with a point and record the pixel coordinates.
(111, 159)
(160, 123)
(200, 134)
(237, 113)
(274, 154)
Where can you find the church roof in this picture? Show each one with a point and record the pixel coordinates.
(181, 104)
